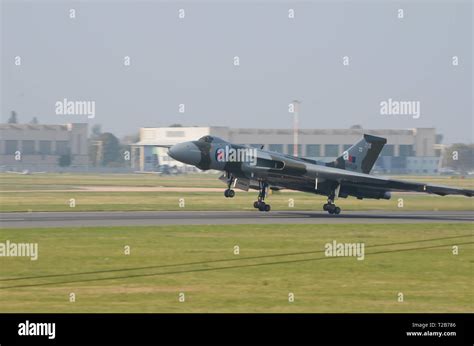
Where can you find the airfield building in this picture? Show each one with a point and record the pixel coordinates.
(408, 151)
(40, 147)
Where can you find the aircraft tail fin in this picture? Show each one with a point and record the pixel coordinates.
(361, 156)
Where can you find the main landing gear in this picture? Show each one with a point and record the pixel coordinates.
(260, 202)
(330, 207)
(229, 193)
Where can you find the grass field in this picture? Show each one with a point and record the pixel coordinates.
(414, 259)
(40, 193)
(55, 181)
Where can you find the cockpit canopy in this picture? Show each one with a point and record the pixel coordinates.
(210, 139)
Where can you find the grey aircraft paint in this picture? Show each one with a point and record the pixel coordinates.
(347, 176)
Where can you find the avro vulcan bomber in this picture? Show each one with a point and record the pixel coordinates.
(247, 168)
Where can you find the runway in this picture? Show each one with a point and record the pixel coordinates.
(159, 218)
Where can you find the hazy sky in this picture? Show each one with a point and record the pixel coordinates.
(190, 61)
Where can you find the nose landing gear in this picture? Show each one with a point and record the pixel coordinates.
(229, 193)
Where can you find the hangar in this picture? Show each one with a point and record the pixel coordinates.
(39, 146)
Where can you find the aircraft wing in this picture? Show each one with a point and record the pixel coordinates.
(361, 179)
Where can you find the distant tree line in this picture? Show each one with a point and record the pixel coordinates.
(13, 119)
(105, 149)
(459, 157)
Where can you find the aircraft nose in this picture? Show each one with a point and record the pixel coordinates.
(186, 152)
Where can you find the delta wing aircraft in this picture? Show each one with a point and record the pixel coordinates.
(250, 168)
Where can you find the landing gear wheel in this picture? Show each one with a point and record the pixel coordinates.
(260, 202)
(229, 193)
(332, 209)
